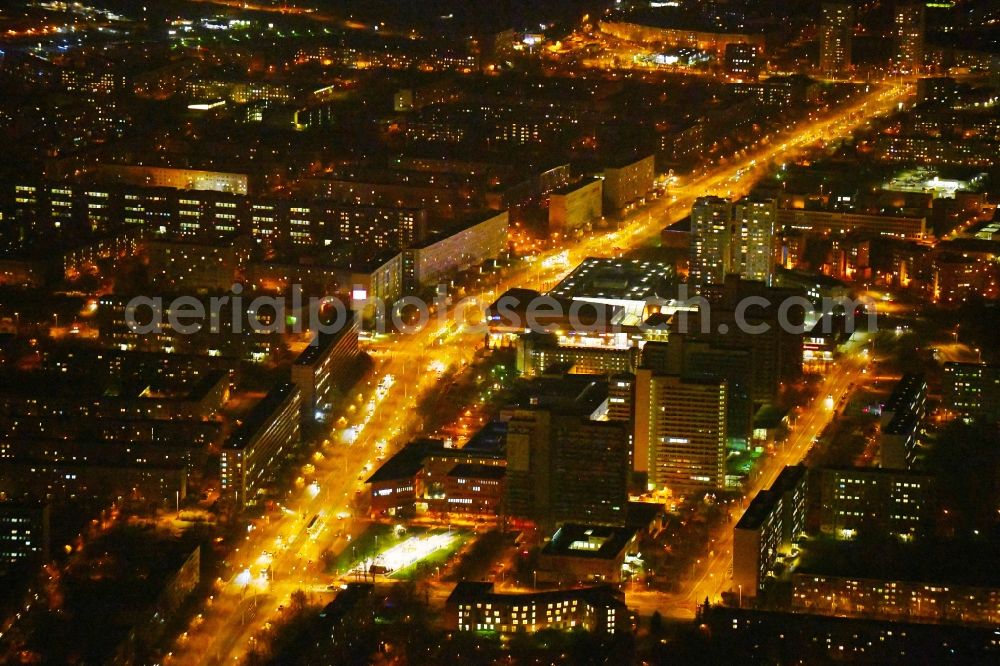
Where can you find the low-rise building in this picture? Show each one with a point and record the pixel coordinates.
(475, 606)
(586, 553)
(427, 477)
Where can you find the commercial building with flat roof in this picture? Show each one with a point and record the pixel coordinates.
(839, 223)
(586, 553)
(427, 477)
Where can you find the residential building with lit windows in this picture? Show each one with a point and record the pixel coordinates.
(39, 209)
(207, 264)
(24, 533)
(959, 277)
(711, 236)
(463, 246)
(254, 453)
(910, 23)
(875, 500)
(901, 421)
(79, 482)
(324, 368)
(743, 61)
(756, 542)
(628, 181)
(935, 151)
(892, 598)
(181, 179)
(574, 206)
(836, 26)
(767, 530)
(474, 606)
(946, 581)
(753, 242)
(972, 390)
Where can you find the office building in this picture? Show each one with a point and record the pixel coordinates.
(474, 606)
(711, 235)
(255, 452)
(835, 28)
(564, 467)
(836, 223)
(776, 346)
(972, 390)
(910, 18)
(874, 500)
(680, 432)
(538, 353)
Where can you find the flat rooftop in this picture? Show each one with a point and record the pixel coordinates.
(260, 414)
(616, 279)
(760, 507)
(407, 461)
(590, 541)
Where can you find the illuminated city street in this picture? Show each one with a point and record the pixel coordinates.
(406, 357)
(625, 332)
